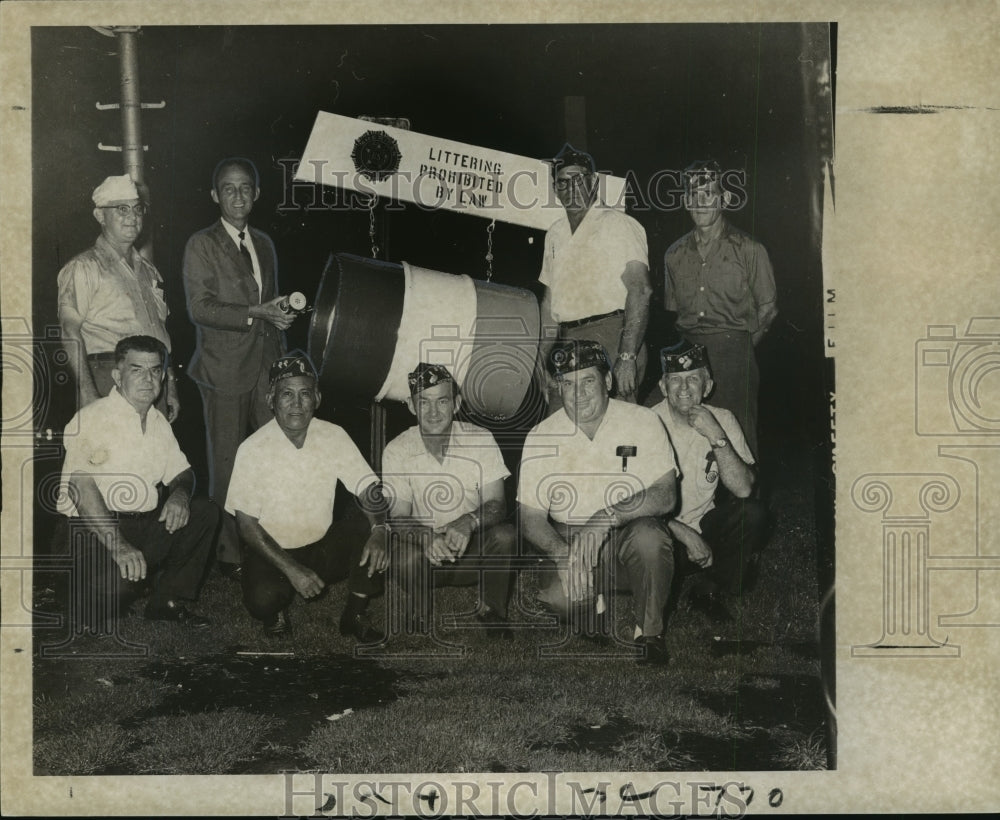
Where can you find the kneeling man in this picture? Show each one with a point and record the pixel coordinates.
(595, 480)
(282, 492)
(122, 453)
(445, 482)
(722, 530)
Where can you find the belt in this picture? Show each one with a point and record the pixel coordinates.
(589, 319)
(713, 331)
(101, 357)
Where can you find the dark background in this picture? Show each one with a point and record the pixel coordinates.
(656, 97)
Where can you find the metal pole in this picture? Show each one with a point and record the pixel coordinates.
(130, 105)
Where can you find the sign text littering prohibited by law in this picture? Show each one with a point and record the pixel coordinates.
(433, 173)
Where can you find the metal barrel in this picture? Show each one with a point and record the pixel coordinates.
(374, 321)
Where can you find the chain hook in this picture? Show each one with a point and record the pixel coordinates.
(372, 202)
(489, 250)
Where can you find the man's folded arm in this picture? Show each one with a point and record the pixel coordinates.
(659, 498)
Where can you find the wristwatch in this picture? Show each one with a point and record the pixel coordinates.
(627, 357)
(718, 444)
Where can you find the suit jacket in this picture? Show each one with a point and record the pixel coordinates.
(230, 353)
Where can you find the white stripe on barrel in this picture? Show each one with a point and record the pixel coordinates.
(439, 317)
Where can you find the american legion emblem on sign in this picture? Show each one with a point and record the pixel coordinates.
(376, 155)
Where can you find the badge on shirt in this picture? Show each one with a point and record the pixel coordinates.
(711, 468)
(626, 451)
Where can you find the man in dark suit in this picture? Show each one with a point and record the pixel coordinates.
(231, 281)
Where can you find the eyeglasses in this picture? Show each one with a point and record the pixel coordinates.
(124, 210)
(571, 181)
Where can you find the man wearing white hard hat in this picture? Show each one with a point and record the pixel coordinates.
(110, 292)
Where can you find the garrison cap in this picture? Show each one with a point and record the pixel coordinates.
(295, 363)
(427, 375)
(682, 357)
(571, 156)
(578, 354)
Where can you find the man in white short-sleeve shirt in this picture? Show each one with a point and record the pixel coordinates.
(282, 493)
(444, 479)
(122, 452)
(719, 524)
(595, 269)
(595, 480)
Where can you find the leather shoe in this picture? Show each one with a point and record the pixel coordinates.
(278, 625)
(173, 611)
(495, 623)
(709, 604)
(654, 649)
(357, 624)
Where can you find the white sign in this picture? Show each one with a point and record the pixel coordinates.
(436, 173)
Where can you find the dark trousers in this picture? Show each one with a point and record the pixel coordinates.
(733, 363)
(415, 576)
(735, 531)
(643, 562)
(336, 556)
(175, 562)
(229, 419)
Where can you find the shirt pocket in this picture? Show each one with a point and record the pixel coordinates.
(159, 299)
(683, 273)
(730, 278)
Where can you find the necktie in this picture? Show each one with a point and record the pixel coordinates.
(245, 252)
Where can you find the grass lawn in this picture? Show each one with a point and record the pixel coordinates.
(166, 700)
